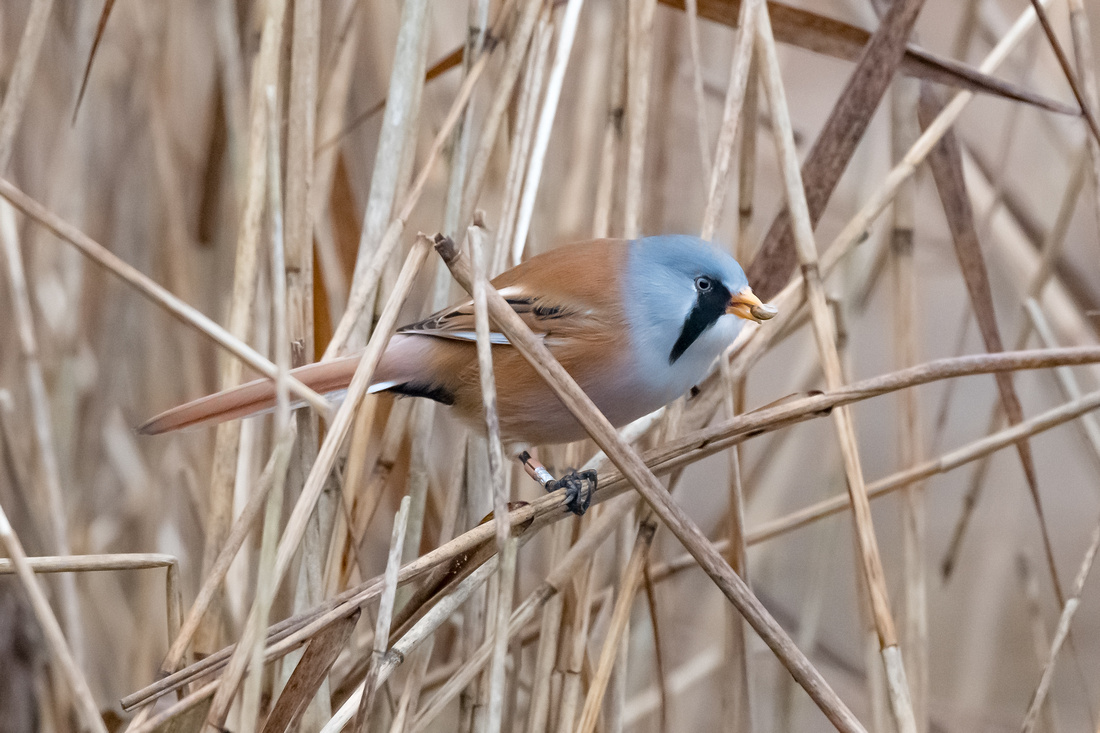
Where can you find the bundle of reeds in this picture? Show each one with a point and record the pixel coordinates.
(194, 194)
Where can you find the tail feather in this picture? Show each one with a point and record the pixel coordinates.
(254, 397)
(407, 367)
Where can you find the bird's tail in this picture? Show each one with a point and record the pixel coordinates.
(325, 377)
(402, 369)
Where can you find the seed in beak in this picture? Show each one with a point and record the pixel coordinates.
(763, 312)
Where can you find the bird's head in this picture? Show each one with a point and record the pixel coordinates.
(682, 287)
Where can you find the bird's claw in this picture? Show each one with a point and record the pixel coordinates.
(579, 487)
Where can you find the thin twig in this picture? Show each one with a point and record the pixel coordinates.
(523, 137)
(55, 639)
(505, 543)
(385, 615)
(110, 562)
(639, 53)
(502, 98)
(566, 35)
(476, 34)
(1061, 633)
(659, 663)
(301, 112)
(1082, 47)
(341, 422)
(910, 429)
(369, 269)
(400, 117)
(857, 227)
(833, 149)
(22, 74)
(153, 291)
(628, 585)
(330, 115)
(416, 635)
(1067, 69)
(613, 126)
(947, 462)
(41, 420)
(691, 9)
(736, 694)
(1040, 637)
(538, 707)
(242, 526)
(824, 332)
(740, 65)
(266, 72)
(250, 651)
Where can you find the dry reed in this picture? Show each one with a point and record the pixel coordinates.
(253, 171)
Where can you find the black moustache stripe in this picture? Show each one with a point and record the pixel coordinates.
(709, 307)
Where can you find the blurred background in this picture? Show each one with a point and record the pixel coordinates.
(144, 126)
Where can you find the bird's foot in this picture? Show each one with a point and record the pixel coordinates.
(578, 485)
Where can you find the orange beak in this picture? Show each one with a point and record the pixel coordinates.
(746, 305)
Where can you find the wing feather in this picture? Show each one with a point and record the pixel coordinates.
(541, 314)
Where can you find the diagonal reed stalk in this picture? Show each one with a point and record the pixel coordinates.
(151, 290)
(824, 332)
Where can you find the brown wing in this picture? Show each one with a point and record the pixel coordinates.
(554, 293)
(457, 322)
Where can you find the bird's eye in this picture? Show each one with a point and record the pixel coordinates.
(703, 284)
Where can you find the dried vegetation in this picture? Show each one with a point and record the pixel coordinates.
(192, 193)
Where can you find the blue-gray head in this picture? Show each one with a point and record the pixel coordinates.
(687, 299)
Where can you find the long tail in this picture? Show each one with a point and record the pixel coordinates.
(409, 366)
(254, 397)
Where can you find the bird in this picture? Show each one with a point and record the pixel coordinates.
(637, 323)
